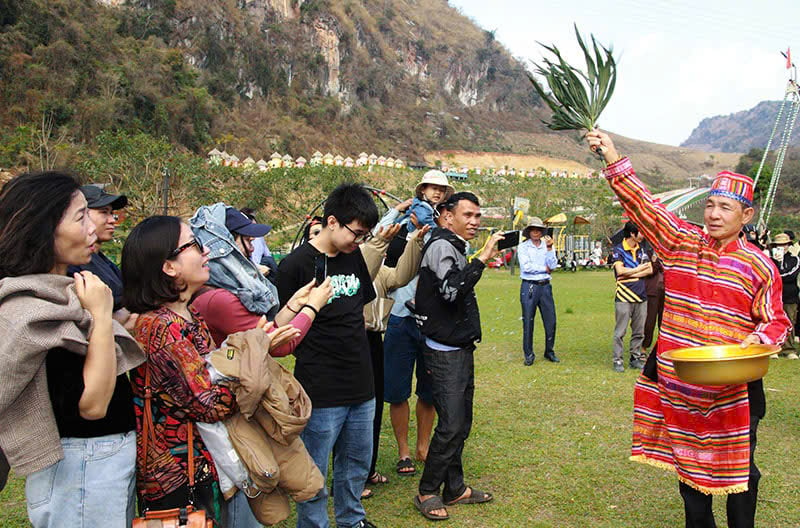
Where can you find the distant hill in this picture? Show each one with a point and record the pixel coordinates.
(740, 131)
(395, 77)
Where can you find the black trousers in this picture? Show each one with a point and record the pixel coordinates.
(741, 507)
(4, 469)
(453, 387)
(655, 309)
(376, 354)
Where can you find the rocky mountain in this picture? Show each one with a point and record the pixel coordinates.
(259, 75)
(741, 131)
(398, 77)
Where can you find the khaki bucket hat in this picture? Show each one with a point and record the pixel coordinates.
(435, 177)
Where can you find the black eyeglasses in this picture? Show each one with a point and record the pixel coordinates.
(358, 238)
(180, 249)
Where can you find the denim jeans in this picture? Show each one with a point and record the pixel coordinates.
(453, 383)
(347, 432)
(239, 514)
(93, 485)
(531, 297)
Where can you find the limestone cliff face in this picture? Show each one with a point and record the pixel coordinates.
(326, 40)
(353, 51)
(283, 9)
(464, 82)
(413, 64)
(326, 62)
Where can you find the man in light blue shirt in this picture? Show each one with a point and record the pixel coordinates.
(536, 260)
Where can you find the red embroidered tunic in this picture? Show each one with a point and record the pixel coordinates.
(182, 394)
(714, 295)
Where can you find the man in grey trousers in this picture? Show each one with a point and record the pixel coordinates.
(631, 265)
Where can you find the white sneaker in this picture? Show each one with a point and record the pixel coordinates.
(791, 355)
(773, 356)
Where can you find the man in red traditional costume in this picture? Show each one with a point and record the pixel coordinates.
(719, 290)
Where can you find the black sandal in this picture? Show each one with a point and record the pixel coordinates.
(430, 504)
(475, 497)
(405, 467)
(377, 478)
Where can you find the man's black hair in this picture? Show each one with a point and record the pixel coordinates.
(790, 233)
(348, 202)
(630, 229)
(452, 202)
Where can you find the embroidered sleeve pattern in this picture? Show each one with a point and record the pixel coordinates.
(665, 231)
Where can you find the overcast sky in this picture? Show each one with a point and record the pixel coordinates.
(679, 61)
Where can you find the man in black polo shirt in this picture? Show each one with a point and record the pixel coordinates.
(631, 265)
(103, 208)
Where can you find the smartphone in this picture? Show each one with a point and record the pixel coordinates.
(548, 231)
(511, 239)
(320, 269)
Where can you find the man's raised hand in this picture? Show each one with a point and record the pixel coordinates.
(490, 249)
(596, 139)
(388, 232)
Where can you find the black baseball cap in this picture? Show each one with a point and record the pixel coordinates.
(239, 224)
(97, 197)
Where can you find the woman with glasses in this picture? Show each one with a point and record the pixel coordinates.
(163, 266)
(66, 421)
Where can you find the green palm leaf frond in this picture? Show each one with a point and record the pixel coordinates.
(577, 98)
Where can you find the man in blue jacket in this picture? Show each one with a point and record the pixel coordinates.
(447, 312)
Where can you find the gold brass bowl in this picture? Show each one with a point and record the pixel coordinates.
(721, 364)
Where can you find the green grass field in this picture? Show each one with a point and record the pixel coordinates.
(552, 441)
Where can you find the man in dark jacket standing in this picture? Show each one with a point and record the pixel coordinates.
(447, 313)
(789, 268)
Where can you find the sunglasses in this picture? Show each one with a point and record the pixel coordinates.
(180, 249)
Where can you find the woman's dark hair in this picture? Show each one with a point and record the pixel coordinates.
(150, 243)
(307, 229)
(249, 212)
(348, 202)
(31, 207)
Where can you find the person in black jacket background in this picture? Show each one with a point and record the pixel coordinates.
(789, 268)
(447, 313)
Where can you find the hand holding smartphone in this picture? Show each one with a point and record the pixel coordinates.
(510, 239)
(320, 268)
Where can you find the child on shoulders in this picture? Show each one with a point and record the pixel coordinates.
(431, 190)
